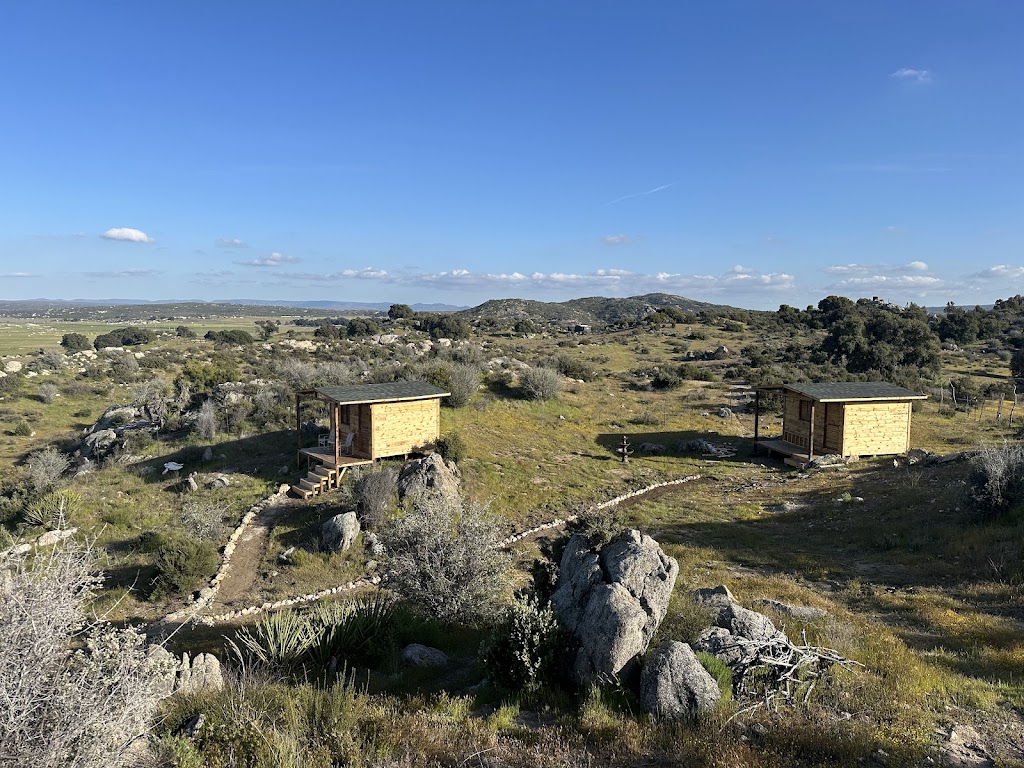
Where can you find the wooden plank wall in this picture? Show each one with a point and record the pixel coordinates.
(405, 427)
(877, 428)
(795, 429)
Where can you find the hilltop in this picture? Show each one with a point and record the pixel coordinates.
(594, 310)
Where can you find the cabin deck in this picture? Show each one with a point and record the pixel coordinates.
(795, 455)
(325, 456)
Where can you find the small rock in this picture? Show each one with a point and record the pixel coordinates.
(372, 544)
(285, 557)
(208, 454)
(50, 538)
(673, 684)
(416, 655)
(724, 413)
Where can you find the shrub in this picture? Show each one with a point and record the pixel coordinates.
(22, 429)
(63, 707)
(123, 367)
(184, 332)
(526, 648)
(461, 380)
(443, 555)
(51, 360)
(48, 392)
(206, 421)
(203, 517)
(183, 564)
(997, 480)
(376, 492)
(540, 383)
(666, 380)
(233, 338)
(54, 509)
(124, 337)
(359, 327)
(45, 468)
(74, 342)
(451, 447)
(575, 368)
(329, 635)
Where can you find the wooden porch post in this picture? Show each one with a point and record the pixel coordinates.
(810, 435)
(298, 430)
(757, 418)
(337, 431)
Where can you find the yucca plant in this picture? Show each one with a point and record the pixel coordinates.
(278, 641)
(359, 632)
(53, 509)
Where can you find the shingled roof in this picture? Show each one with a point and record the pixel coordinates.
(382, 393)
(851, 391)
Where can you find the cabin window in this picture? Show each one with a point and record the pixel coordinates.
(805, 410)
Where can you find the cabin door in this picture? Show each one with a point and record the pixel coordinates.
(833, 436)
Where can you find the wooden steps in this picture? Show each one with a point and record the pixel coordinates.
(317, 480)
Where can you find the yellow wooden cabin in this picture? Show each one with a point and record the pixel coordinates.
(367, 422)
(850, 419)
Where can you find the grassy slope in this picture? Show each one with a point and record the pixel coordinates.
(918, 593)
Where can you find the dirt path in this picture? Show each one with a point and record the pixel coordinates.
(247, 560)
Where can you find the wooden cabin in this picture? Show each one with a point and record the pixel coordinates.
(367, 422)
(850, 419)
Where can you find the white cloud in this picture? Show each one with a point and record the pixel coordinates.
(1000, 272)
(608, 281)
(616, 239)
(15, 275)
(914, 75)
(230, 242)
(868, 269)
(128, 235)
(654, 190)
(915, 283)
(119, 273)
(273, 260)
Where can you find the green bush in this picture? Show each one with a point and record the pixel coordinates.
(234, 337)
(183, 564)
(451, 447)
(22, 429)
(540, 384)
(526, 648)
(575, 368)
(124, 337)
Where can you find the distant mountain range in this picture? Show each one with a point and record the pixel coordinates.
(362, 306)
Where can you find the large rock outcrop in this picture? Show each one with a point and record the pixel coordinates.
(612, 602)
(674, 685)
(429, 475)
(738, 634)
(111, 429)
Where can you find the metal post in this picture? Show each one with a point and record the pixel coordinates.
(757, 418)
(298, 431)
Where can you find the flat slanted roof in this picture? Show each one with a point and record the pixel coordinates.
(377, 393)
(850, 391)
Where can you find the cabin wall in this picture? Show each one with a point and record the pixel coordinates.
(405, 427)
(828, 424)
(877, 428)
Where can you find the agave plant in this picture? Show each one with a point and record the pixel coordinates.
(278, 640)
(357, 632)
(52, 509)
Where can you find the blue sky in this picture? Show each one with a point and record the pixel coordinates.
(750, 153)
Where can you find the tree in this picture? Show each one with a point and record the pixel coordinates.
(267, 328)
(362, 326)
(400, 312)
(74, 342)
(184, 332)
(1017, 364)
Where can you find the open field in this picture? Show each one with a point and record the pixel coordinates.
(915, 586)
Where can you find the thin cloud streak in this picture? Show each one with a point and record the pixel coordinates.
(653, 191)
